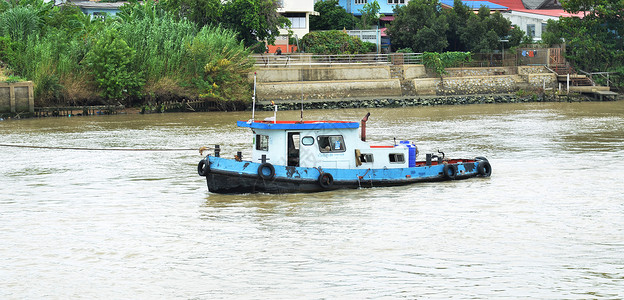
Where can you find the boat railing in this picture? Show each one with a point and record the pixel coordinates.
(305, 59)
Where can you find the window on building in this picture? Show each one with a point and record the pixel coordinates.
(360, 1)
(396, 1)
(331, 143)
(99, 15)
(530, 30)
(262, 142)
(397, 158)
(544, 28)
(297, 20)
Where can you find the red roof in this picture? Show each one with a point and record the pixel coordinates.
(551, 12)
(511, 4)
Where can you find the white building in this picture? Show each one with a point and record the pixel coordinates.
(298, 12)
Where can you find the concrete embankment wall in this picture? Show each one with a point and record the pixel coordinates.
(329, 89)
(17, 97)
(366, 81)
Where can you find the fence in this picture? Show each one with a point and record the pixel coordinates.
(303, 59)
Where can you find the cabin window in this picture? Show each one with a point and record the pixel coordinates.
(366, 158)
(397, 158)
(262, 142)
(331, 143)
(307, 141)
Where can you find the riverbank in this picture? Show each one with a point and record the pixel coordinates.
(390, 102)
(378, 102)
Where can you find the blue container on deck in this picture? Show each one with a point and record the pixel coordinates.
(411, 151)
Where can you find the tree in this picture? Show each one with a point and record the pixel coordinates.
(331, 16)
(596, 41)
(254, 20)
(370, 14)
(483, 31)
(457, 19)
(200, 12)
(416, 16)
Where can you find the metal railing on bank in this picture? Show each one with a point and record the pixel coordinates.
(305, 59)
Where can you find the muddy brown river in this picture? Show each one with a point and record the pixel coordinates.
(548, 223)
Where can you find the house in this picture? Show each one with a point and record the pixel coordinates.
(532, 15)
(298, 12)
(386, 7)
(99, 9)
(475, 5)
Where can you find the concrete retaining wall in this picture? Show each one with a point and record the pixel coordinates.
(494, 71)
(376, 81)
(544, 79)
(328, 90)
(480, 84)
(322, 73)
(414, 71)
(525, 70)
(17, 97)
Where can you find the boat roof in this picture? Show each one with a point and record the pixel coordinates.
(297, 125)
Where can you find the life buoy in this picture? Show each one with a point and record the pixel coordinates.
(449, 171)
(203, 167)
(266, 171)
(326, 180)
(484, 168)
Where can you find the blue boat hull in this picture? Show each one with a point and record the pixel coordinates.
(228, 176)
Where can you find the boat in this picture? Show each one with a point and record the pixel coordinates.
(315, 156)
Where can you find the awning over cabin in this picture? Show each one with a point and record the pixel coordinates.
(296, 125)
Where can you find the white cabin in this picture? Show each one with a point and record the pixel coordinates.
(325, 144)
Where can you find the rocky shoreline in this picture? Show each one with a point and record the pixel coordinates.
(421, 101)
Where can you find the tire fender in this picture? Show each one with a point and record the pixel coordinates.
(449, 171)
(484, 168)
(203, 167)
(326, 180)
(266, 171)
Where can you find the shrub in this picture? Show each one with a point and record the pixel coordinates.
(218, 64)
(333, 42)
(109, 61)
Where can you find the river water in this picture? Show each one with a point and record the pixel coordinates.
(548, 224)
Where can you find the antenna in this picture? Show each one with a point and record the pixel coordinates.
(253, 98)
(301, 86)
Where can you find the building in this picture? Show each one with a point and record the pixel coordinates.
(298, 12)
(386, 7)
(98, 9)
(532, 15)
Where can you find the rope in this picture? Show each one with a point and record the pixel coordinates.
(104, 149)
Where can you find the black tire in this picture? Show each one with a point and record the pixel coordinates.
(262, 171)
(326, 180)
(203, 167)
(484, 168)
(449, 171)
(478, 158)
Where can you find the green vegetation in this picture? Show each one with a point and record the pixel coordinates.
(145, 52)
(594, 43)
(370, 14)
(424, 26)
(437, 62)
(331, 16)
(335, 42)
(253, 20)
